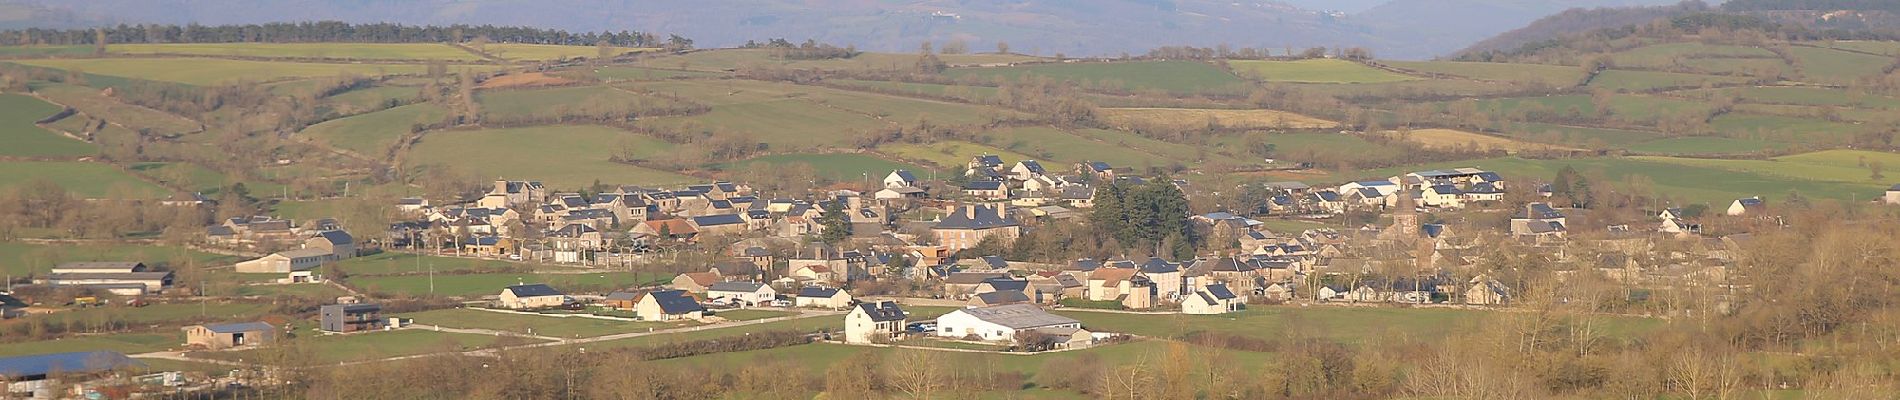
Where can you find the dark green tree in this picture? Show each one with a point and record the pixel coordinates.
(837, 226)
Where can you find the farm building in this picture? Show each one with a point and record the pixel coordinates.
(224, 336)
(346, 318)
(874, 322)
(287, 261)
(1893, 194)
(668, 305)
(1000, 323)
(742, 293)
(531, 296)
(121, 278)
(339, 243)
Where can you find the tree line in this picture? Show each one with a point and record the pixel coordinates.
(325, 31)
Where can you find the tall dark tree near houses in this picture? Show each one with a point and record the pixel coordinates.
(837, 226)
(1151, 216)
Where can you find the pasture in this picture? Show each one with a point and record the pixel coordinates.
(624, 73)
(214, 71)
(344, 51)
(1640, 81)
(1786, 129)
(1835, 66)
(129, 343)
(373, 134)
(1051, 144)
(1456, 139)
(1622, 107)
(791, 117)
(1846, 166)
(45, 51)
(475, 285)
(554, 103)
(1577, 136)
(366, 100)
(83, 179)
(1813, 96)
(192, 177)
(974, 94)
(21, 259)
(404, 263)
(1163, 76)
(550, 326)
(564, 156)
(841, 167)
(1554, 75)
(724, 59)
(1188, 118)
(550, 52)
(90, 101)
(948, 154)
(1865, 46)
(23, 139)
(1314, 71)
(1704, 145)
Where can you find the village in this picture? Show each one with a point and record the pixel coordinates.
(874, 256)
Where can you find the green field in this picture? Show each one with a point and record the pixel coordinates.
(790, 117)
(748, 315)
(373, 134)
(1835, 66)
(844, 167)
(1623, 107)
(813, 324)
(1299, 147)
(1314, 71)
(561, 327)
(1702, 145)
(1786, 129)
(84, 179)
(1704, 57)
(620, 73)
(366, 100)
(1346, 324)
(401, 263)
(539, 52)
(1554, 75)
(312, 291)
(949, 154)
(491, 284)
(1845, 166)
(21, 259)
(129, 343)
(1576, 136)
(554, 102)
(974, 94)
(195, 178)
(377, 345)
(1165, 76)
(211, 71)
(89, 101)
(1866, 46)
(45, 51)
(563, 156)
(23, 139)
(1066, 147)
(721, 60)
(175, 314)
(352, 51)
(1638, 81)
(1813, 96)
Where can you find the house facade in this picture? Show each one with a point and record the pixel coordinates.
(999, 323)
(964, 227)
(520, 297)
(874, 322)
(346, 318)
(225, 336)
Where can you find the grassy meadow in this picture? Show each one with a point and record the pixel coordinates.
(373, 134)
(561, 327)
(21, 259)
(84, 179)
(843, 167)
(561, 101)
(89, 101)
(564, 156)
(351, 51)
(949, 154)
(213, 71)
(1163, 76)
(1188, 118)
(1554, 75)
(1314, 71)
(23, 139)
(541, 52)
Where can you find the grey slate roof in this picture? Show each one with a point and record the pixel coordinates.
(995, 261)
(983, 185)
(1018, 316)
(1009, 297)
(905, 175)
(747, 287)
(717, 220)
(1541, 211)
(239, 327)
(817, 292)
(1007, 285)
(533, 290)
(675, 302)
(1221, 292)
(883, 311)
(985, 219)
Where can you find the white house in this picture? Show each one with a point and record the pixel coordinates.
(1752, 205)
(1000, 323)
(872, 322)
(742, 293)
(1893, 195)
(1445, 196)
(1385, 188)
(822, 297)
(900, 179)
(1215, 299)
(668, 305)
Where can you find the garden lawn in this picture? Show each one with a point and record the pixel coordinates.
(748, 315)
(1315, 71)
(356, 51)
(20, 259)
(566, 157)
(84, 179)
(842, 167)
(472, 285)
(1166, 76)
(23, 139)
(562, 327)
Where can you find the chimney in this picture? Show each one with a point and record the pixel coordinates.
(501, 186)
(1002, 211)
(969, 212)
